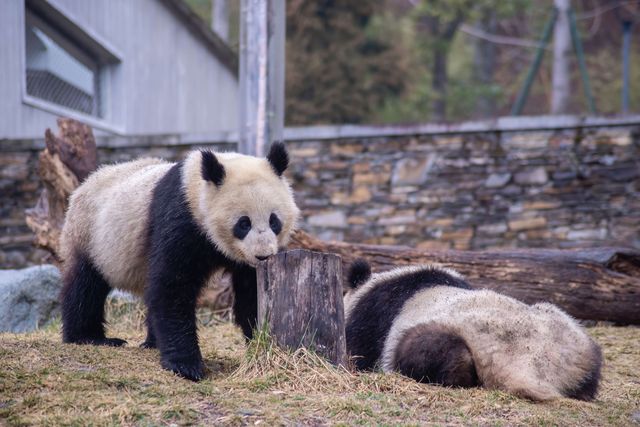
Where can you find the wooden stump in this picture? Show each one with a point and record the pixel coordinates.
(300, 299)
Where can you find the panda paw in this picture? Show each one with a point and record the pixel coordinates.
(190, 369)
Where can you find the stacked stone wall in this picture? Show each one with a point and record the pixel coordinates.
(556, 189)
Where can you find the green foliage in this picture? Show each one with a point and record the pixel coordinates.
(390, 61)
(202, 8)
(341, 62)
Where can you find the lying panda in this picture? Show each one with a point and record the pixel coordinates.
(427, 323)
(159, 230)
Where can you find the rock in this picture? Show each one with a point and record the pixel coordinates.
(527, 224)
(374, 178)
(360, 195)
(496, 180)
(305, 151)
(593, 234)
(412, 171)
(346, 149)
(334, 219)
(540, 205)
(122, 296)
(565, 175)
(399, 218)
(493, 229)
(532, 176)
(28, 297)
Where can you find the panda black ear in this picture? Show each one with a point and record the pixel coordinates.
(359, 273)
(212, 170)
(278, 157)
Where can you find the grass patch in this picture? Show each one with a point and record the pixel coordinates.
(45, 382)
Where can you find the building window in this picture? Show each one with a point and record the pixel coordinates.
(59, 71)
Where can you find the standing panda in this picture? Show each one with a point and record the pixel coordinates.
(426, 323)
(159, 230)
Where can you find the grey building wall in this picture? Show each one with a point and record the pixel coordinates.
(168, 81)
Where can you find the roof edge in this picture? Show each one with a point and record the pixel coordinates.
(202, 31)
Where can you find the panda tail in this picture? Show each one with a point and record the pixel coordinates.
(359, 273)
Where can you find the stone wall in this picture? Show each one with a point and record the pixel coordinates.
(554, 189)
(461, 189)
(20, 189)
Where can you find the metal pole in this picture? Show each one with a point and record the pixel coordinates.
(524, 93)
(560, 79)
(262, 36)
(626, 46)
(577, 45)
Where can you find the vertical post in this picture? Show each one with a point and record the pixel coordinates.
(262, 37)
(300, 302)
(626, 48)
(220, 18)
(561, 81)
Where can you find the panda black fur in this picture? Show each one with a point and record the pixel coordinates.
(427, 323)
(160, 230)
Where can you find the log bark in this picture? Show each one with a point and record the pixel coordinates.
(65, 162)
(593, 284)
(300, 302)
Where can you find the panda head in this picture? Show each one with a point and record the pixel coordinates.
(244, 203)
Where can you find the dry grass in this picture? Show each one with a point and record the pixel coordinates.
(45, 382)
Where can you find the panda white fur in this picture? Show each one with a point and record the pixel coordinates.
(427, 323)
(160, 230)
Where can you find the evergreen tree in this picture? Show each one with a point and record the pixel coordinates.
(338, 69)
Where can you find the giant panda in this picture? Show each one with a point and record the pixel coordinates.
(159, 230)
(427, 323)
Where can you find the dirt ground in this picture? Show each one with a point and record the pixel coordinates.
(45, 382)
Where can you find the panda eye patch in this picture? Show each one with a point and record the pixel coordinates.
(242, 227)
(275, 224)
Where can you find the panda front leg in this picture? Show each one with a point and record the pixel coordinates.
(171, 301)
(245, 301)
(150, 341)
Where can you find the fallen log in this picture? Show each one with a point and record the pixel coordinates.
(594, 284)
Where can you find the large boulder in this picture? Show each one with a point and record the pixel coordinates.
(28, 297)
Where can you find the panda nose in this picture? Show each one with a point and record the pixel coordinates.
(262, 258)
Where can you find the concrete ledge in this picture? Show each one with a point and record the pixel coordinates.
(501, 124)
(333, 132)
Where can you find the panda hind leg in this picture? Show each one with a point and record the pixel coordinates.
(83, 296)
(432, 354)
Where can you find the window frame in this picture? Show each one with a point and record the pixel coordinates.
(102, 62)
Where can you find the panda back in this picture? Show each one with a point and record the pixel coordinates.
(108, 218)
